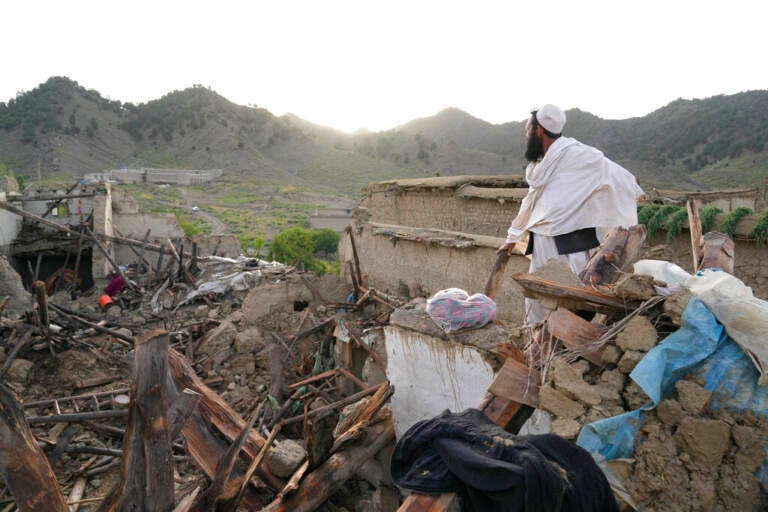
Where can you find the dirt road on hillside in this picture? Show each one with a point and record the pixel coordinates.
(217, 225)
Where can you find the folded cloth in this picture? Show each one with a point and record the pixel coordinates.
(453, 309)
(496, 471)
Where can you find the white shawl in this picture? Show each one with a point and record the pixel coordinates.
(574, 187)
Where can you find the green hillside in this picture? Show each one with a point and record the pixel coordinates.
(66, 130)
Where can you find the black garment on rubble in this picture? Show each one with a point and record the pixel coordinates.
(495, 471)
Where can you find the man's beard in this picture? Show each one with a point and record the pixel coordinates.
(534, 149)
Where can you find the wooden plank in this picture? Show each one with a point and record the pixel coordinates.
(516, 382)
(578, 297)
(575, 333)
(494, 279)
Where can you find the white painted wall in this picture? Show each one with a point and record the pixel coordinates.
(10, 226)
(431, 375)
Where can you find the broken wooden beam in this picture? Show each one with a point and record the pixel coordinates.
(516, 382)
(616, 253)
(317, 487)
(146, 481)
(23, 465)
(128, 339)
(49, 197)
(337, 405)
(225, 487)
(213, 419)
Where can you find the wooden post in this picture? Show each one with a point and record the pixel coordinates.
(146, 481)
(79, 249)
(38, 288)
(354, 255)
(694, 222)
(37, 267)
(141, 260)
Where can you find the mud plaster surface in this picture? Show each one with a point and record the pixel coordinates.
(675, 456)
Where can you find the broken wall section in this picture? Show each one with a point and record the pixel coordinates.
(417, 237)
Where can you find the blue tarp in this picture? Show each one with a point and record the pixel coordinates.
(701, 349)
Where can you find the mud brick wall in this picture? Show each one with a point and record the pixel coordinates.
(751, 259)
(441, 209)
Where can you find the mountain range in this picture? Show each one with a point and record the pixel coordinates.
(63, 129)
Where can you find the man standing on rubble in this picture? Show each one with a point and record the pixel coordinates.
(575, 194)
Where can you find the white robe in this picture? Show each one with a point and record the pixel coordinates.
(575, 187)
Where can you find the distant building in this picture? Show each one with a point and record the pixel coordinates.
(336, 219)
(152, 175)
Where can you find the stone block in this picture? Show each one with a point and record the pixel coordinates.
(568, 380)
(669, 412)
(638, 334)
(629, 360)
(566, 427)
(285, 457)
(705, 440)
(693, 398)
(558, 404)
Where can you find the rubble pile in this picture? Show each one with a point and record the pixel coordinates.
(696, 448)
(259, 347)
(229, 384)
(685, 453)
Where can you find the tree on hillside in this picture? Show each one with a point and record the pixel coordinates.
(300, 246)
(326, 242)
(295, 246)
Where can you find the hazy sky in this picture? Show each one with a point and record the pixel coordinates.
(376, 64)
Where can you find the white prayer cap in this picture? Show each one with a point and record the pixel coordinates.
(551, 118)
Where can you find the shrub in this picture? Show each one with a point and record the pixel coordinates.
(760, 231)
(732, 220)
(707, 217)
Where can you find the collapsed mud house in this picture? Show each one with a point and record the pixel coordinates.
(289, 351)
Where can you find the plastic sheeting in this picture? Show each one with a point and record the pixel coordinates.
(744, 316)
(661, 270)
(700, 348)
(220, 275)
